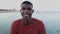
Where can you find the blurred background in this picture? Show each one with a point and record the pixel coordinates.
(46, 10)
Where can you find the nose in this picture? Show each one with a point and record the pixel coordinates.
(26, 11)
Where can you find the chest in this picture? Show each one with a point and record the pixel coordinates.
(28, 30)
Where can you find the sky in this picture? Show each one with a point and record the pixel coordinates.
(39, 5)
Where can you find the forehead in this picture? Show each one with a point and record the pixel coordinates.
(26, 6)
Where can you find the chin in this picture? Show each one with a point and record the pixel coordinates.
(26, 19)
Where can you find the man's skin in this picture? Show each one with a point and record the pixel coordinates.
(26, 12)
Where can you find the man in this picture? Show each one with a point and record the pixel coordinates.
(27, 25)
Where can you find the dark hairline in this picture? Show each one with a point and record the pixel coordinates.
(27, 2)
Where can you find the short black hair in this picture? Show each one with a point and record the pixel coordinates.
(26, 2)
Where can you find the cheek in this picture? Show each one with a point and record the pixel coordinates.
(21, 14)
(30, 14)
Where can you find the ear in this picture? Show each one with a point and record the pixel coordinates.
(20, 10)
(32, 11)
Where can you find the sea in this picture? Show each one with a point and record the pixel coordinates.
(51, 20)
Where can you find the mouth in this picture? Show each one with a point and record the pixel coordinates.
(26, 16)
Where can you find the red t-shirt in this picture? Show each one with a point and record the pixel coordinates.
(36, 27)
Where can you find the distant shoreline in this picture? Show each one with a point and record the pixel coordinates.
(14, 10)
(7, 9)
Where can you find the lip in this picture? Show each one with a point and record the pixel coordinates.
(26, 16)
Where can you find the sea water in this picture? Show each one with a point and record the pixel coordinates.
(50, 19)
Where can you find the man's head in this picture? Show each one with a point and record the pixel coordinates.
(26, 10)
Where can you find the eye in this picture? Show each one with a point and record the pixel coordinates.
(26, 8)
(23, 8)
(29, 8)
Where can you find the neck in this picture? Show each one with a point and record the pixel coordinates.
(27, 22)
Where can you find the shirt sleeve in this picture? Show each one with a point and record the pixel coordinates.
(13, 28)
(42, 28)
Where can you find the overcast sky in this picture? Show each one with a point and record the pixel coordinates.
(39, 5)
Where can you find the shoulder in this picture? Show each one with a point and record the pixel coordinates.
(16, 22)
(39, 22)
